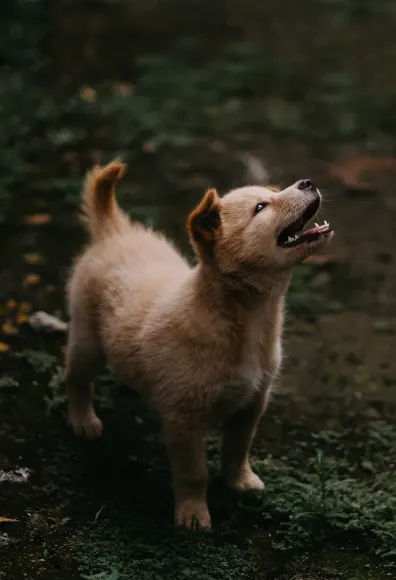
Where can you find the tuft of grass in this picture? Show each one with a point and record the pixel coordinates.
(40, 360)
(7, 382)
(335, 497)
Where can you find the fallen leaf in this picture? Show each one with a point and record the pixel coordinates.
(9, 328)
(38, 219)
(31, 279)
(32, 258)
(320, 260)
(124, 89)
(4, 347)
(21, 319)
(88, 94)
(351, 170)
(11, 304)
(148, 147)
(5, 519)
(25, 307)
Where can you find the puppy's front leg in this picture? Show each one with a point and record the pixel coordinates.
(239, 430)
(187, 455)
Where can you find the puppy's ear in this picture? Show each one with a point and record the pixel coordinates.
(204, 223)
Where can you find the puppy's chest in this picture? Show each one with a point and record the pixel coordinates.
(250, 377)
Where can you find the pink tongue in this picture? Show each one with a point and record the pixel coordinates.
(314, 230)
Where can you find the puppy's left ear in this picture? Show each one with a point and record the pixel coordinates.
(204, 223)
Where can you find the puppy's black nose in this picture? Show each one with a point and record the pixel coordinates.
(306, 184)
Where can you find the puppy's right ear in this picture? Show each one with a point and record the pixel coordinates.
(204, 224)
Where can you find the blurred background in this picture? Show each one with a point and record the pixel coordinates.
(192, 94)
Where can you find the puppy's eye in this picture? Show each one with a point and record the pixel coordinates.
(260, 206)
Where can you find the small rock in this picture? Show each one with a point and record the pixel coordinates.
(5, 540)
(47, 322)
(19, 475)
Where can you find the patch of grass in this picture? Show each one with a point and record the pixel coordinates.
(7, 382)
(40, 360)
(335, 495)
(150, 554)
(330, 492)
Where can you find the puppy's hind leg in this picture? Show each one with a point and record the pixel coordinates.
(84, 360)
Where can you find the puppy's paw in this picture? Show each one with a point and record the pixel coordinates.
(246, 480)
(85, 423)
(193, 515)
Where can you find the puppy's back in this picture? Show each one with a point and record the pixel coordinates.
(126, 267)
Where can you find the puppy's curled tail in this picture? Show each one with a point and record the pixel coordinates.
(102, 213)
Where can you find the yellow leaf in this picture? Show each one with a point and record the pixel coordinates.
(3, 347)
(88, 94)
(9, 328)
(32, 258)
(25, 307)
(6, 519)
(38, 219)
(31, 279)
(11, 304)
(21, 319)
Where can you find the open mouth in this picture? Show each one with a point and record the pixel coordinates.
(293, 234)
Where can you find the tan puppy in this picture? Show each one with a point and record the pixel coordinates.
(203, 344)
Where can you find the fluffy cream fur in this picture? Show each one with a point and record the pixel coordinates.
(202, 344)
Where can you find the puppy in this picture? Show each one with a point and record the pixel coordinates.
(202, 344)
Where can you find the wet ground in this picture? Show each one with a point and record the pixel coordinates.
(102, 510)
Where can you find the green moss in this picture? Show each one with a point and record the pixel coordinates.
(162, 553)
(40, 360)
(338, 502)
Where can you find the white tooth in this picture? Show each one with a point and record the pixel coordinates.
(289, 239)
(326, 224)
(317, 226)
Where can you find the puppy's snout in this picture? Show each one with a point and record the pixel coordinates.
(306, 185)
